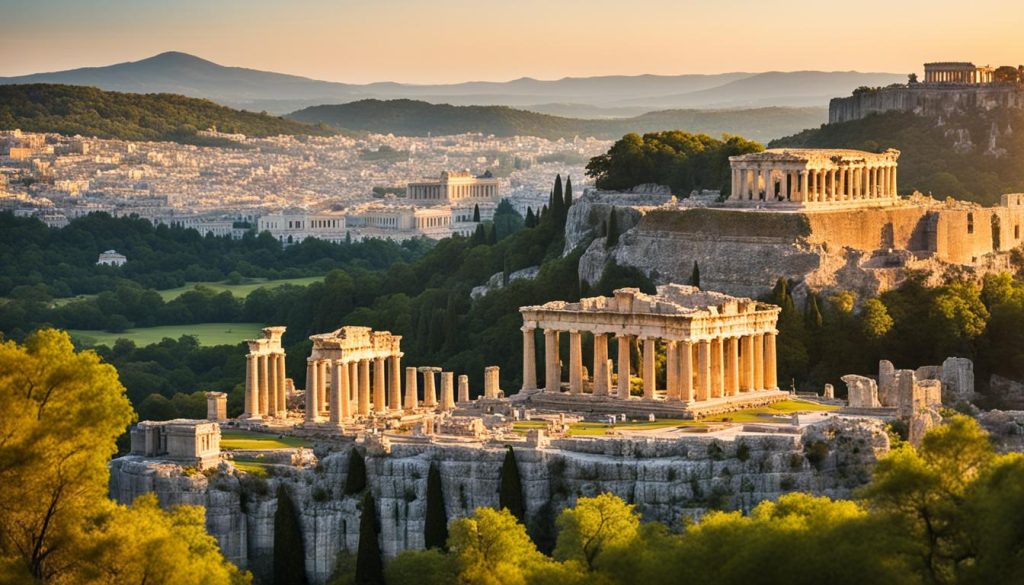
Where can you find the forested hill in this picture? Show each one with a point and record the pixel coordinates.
(68, 109)
(973, 155)
(417, 118)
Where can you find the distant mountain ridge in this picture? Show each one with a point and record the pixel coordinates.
(70, 110)
(418, 118)
(181, 73)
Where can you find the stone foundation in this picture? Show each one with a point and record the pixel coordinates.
(590, 404)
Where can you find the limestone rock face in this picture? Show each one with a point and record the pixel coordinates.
(861, 392)
(665, 479)
(1006, 429)
(588, 213)
(921, 422)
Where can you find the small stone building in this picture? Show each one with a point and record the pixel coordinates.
(188, 442)
(112, 258)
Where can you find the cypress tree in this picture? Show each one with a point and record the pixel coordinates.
(479, 236)
(369, 566)
(289, 556)
(435, 526)
(557, 202)
(530, 220)
(355, 481)
(506, 272)
(510, 496)
(476, 213)
(492, 235)
(568, 193)
(612, 237)
(695, 275)
(813, 316)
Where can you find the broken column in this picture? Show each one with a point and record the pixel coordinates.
(957, 380)
(447, 390)
(861, 392)
(491, 390)
(463, 389)
(216, 406)
(887, 383)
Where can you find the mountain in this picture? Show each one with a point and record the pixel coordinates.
(180, 73)
(69, 109)
(418, 118)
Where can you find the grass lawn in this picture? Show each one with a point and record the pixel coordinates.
(239, 290)
(785, 407)
(208, 334)
(236, 439)
(252, 468)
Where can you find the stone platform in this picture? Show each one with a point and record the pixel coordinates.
(588, 403)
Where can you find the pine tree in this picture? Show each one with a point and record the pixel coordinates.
(511, 495)
(355, 481)
(695, 275)
(435, 526)
(612, 237)
(568, 193)
(289, 556)
(476, 213)
(369, 566)
(530, 220)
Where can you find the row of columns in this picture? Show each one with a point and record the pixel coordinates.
(696, 370)
(976, 76)
(848, 183)
(265, 393)
(373, 386)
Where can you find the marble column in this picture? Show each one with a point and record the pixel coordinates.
(624, 341)
(759, 362)
(379, 388)
(252, 399)
(671, 369)
(447, 390)
(410, 389)
(282, 385)
(272, 383)
(339, 392)
(353, 384)
(552, 370)
(264, 384)
(322, 377)
(703, 370)
(732, 367)
(895, 184)
(395, 382)
(747, 366)
(312, 408)
(803, 186)
(575, 362)
(832, 184)
(529, 360)
(649, 381)
(602, 377)
(463, 389)
(429, 393)
(363, 408)
(686, 371)
(770, 379)
(717, 368)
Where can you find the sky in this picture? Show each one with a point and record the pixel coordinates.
(443, 41)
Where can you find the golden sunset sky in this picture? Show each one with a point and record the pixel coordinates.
(421, 41)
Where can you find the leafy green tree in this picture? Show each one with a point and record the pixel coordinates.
(593, 525)
(877, 321)
(289, 550)
(510, 496)
(435, 525)
(492, 547)
(422, 567)
(369, 566)
(355, 480)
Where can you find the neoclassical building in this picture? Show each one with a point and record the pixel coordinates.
(265, 389)
(454, 187)
(718, 349)
(958, 73)
(813, 178)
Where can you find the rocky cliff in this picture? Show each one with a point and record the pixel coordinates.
(665, 479)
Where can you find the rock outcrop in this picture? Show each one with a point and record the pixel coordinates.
(665, 479)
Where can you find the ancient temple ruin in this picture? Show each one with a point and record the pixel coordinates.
(719, 350)
(265, 387)
(803, 177)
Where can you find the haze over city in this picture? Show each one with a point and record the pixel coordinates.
(361, 41)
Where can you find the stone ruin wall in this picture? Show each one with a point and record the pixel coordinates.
(924, 101)
(665, 479)
(745, 253)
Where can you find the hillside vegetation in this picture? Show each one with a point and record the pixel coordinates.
(67, 109)
(417, 118)
(951, 158)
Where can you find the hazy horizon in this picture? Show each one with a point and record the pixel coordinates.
(452, 41)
